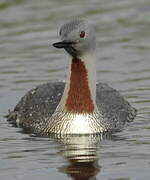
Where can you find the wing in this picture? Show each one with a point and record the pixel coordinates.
(37, 104)
(113, 106)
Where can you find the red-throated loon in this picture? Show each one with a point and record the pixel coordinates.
(80, 106)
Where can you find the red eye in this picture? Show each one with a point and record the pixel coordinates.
(82, 34)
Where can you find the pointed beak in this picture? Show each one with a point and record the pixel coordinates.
(63, 44)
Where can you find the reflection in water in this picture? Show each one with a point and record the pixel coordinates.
(81, 153)
(81, 170)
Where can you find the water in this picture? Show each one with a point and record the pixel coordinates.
(27, 30)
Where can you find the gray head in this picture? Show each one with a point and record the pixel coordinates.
(77, 36)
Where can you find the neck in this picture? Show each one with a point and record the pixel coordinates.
(80, 90)
(77, 112)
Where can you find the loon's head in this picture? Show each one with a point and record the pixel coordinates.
(77, 37)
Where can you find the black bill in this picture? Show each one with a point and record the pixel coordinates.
(68, 46)
(63, 44)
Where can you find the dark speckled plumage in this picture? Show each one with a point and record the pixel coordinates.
(40, 103)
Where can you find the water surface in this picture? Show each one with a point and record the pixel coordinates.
(27, 30)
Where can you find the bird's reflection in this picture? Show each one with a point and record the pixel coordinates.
(81, 153)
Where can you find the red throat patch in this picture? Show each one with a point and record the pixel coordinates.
(79, 96)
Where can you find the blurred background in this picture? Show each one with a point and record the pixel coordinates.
(27, 30)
